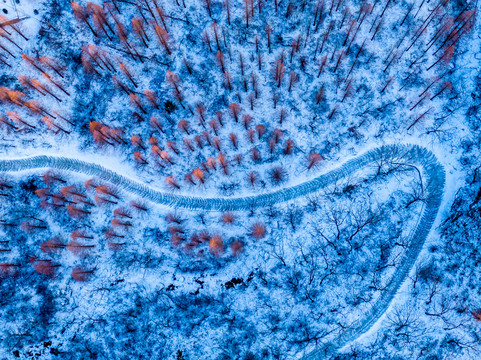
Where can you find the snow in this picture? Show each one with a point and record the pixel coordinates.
(316, 277)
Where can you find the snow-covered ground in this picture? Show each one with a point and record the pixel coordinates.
(226, 100)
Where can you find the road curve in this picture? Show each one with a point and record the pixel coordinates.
(434, 180)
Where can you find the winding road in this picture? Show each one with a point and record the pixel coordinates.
(412, 155)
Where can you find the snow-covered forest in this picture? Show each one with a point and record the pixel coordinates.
(240, 179)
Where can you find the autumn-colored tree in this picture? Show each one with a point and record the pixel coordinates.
(250, 135)
(99, 18)
(43, 89)
(106, 190)
(220, 60)
(289, 9)
(216, 245)
(121, 85)
(292, 78)
(111, 234)
(135, 100)
(128, 74)
(234, 110)
(219, 117)
(228, 218)
(226, 5)
(251, 98)
(45, 267)
(319, 95)
(276, 135)
(163, 37)
(314, 159)
(115, 246)
(176, 239)
(82, 200)
(188, 144)
(238, 158)
(288, 147)
(122, 33)
(71, 190)
(3, 120)
(246, 120)
(188, 179)
(206, 40)
(295, 44)
(80, 234)
(138, 206)
(223, 163)
(81, 15)
(43, 193)
(156, 150)
(233, 139)
(476, 314)
(152, 97)
(8, 269)
(272, 145)
(139, 29)
(447, 85)
(247, 5)
(31, 61)
(176, 230)
(136, 140)
(50, 177)
(256, 155)
(198, 141)
(164, 155)
(216, 143)
(101, 200)
(122, 213)
(206, 137)
(199, 175)
(91, 184)
(76, 212)
(173, 218)
(26, 83)
(260, 130)
(170, 181)
(139, 158)
(52, 246)
(200, 109)
(15, 97)
(172, 146)
(55, 83)
(172, 79)
(278, 174)
(214, 126)
(153, 140)
(211, 163)
(228, 80)
(30, 226)
(53, 126)
(80, 274)
(279, 72)
(258, 231)
(120, 223)
(348, 91)
(184, 126)
(195, 240)
(282, 115)
(59, 199)
(237, 247)
(78, 249)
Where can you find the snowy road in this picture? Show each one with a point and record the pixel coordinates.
(413, 155)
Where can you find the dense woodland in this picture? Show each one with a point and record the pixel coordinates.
(228, 99)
